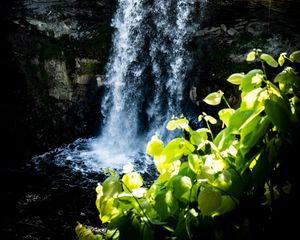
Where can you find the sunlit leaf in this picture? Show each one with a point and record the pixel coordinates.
(225, 114)
(111, 186)
(251, 56)
(295, 56)
(254, 137)
(181, 123)
(155, 146)
(237, 120)
(195, 162)
(248, 84)
(254, 99)
(281, 59)
(251, 123)
(224, 139)
(209, 201)
(199, 135)
(182, 186)
(214, 98)
(236, 78)
(228, 204)
(165, 203)
(132, 181)
(269, 60)
(210, 119)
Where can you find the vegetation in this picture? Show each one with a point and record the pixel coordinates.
(210, 185)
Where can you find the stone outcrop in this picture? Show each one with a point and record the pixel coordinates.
(231, 29)
(57, 52)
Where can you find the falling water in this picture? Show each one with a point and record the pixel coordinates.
(145, 81)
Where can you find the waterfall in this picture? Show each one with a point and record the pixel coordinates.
(145, 81)
(148, 52)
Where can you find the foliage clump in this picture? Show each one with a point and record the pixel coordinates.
(206, 179)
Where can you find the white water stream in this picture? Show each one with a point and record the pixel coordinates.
(144, 83)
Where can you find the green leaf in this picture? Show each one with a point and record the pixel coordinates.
(155, 146)
(181, 123)
(112, 186)
(214, 98)
(251, 123)
(198, 136)
(210, 119)
(224, 139)
(254, 99)
(209, 201)
(228, 204)
(237, 120)
(236, 78)
(288, 80)
(225, 114)
(269, 60)
(251, 56)
(248, 84)
(279, 113)
(223, 181)
(295, 56)
(182, 186)
(165, 203)
(195, 162)
(132, 181)
(181, 227)
(281, 59)
(250, 140)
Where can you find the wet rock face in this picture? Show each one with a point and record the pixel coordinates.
(57, 51)
(231, 29)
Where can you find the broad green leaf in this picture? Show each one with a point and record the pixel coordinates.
(182, 186)
(288, 80)
(109, 210)
(155, 146)
(209, 201)
(111, 186)
(185, 170)
(295, 56)
(228, 204)
(278, 112)
(165, 203)
(223, 181)
(210, 119)
(254, 99)
(132, 181)
(225, 114)
(181, 123)
(250, 140)
(182, 226)
(198, 136)
(146, 231)
(281, 59)
(214, 98)
(251, 56)
(269, 60)
(248, 84)
(237, 120)
(224, 139)
(84, 233)
(195, 162)
(236, 78)
(174, 150)
(251, 123)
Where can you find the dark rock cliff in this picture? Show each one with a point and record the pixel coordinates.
(53, 57)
